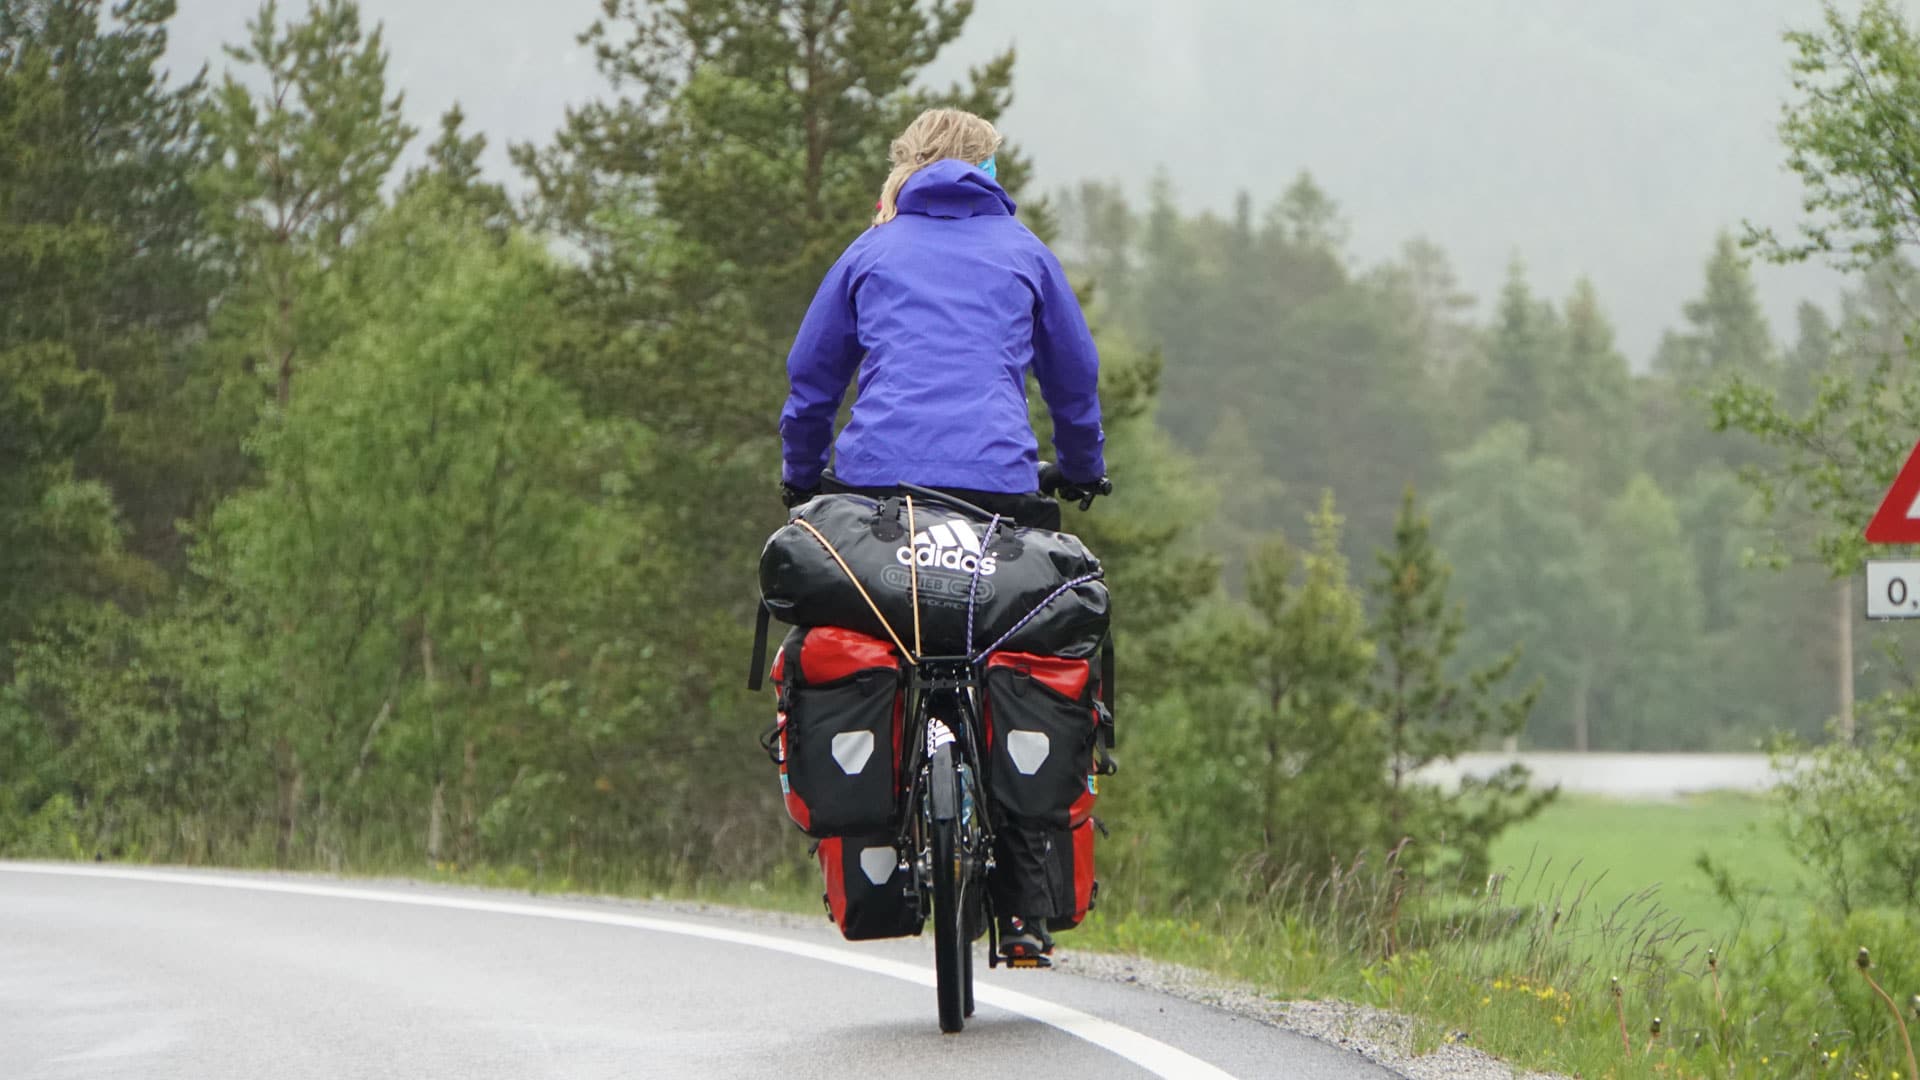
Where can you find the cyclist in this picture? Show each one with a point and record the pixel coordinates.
(942, 308)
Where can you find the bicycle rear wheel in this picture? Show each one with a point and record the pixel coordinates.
(966, 953)
(952, 960)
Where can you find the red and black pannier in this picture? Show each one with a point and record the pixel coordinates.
(1047, 731)
(837, 737)
(868, 894)
(1070, 874)
(1043, 729)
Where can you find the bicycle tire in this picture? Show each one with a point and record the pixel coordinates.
(952, 951)
(966, 976)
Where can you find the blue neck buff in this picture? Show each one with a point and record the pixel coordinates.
(987, 167)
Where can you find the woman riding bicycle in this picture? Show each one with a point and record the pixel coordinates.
(942, 308)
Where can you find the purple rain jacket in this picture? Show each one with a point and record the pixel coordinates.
(942, 311)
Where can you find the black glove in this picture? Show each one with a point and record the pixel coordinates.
(793, 496)
(1054, 482)
(1085, 493)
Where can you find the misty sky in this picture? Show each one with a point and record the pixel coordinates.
(1610, 139)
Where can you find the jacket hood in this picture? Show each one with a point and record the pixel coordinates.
(955, 189)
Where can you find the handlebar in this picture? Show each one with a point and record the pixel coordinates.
(1053, 482)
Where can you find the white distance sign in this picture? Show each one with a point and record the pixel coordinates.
(1893, 589)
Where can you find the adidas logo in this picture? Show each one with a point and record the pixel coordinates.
(947, 546)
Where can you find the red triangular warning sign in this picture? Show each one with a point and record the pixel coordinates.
(1898, 519)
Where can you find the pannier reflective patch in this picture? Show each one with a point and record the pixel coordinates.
(852, 749)
(1029, 750)
(878, 863)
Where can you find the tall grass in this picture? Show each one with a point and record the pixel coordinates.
(1530, 967)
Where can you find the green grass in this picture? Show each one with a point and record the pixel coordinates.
(1624, 848)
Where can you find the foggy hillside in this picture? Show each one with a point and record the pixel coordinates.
(1607, 139)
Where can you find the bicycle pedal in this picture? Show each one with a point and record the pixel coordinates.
(1027, 962)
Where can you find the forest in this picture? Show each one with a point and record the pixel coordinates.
(356, 515)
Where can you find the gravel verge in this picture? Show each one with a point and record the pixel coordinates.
(1385, 1038)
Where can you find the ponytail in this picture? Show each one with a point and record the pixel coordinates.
(936, 135)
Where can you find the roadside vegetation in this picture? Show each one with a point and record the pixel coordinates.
(377, 522)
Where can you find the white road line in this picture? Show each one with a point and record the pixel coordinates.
(1149, 1053)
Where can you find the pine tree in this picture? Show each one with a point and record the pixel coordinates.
(1426, 295)
(57, 534)
(1251, 496)
(1877, 314)
(767, 150)
(453, 172)
(1307, 217)
(298, 170)
(1810, 358)
(103, 288)
(1725, 338)
(101, 280)
(1302, 242)
(1318, 744)
(1096, 235)
(1594, 427)
(1523, 359)
(1429, 715)
(1725, 333)
(1176, 310)
(1267, 762)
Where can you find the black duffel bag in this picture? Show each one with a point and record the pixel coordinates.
(1044, 587)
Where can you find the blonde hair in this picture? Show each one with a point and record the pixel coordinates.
(934, 135)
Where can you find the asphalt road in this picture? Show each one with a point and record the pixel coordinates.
(109, 972)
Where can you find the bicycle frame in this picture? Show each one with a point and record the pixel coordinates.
(933, 681)
(945, 693)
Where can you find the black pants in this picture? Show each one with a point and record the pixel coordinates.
(1032, 510)
(1021, 884)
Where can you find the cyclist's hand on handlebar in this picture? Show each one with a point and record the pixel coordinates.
(1086, 493)
(792, 496)
(1054, 482)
